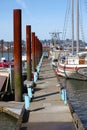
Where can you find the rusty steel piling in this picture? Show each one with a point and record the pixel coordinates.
(36, 52)
(2, 43)
(17, 55)
(8, 50)
(40, 49)
(28, 52)
(33, 51)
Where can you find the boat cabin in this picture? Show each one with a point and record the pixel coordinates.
(80, 58)
(73, 60)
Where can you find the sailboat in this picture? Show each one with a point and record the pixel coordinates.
(74, 66)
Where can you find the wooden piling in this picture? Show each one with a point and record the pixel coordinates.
(28, 52)
(17, 55)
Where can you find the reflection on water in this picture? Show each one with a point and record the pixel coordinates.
(77, 93)
(7, 122)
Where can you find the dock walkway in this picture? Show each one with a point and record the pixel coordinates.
(47, 110)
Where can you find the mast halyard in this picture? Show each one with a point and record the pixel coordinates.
(55, 38)
(72, 5)
(77, 24)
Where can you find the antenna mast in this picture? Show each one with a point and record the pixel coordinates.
(55, 37)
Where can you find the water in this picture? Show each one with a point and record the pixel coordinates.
(7, 122)
(8, 57)
(77, 93)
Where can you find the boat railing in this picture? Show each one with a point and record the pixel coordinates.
(73, 61)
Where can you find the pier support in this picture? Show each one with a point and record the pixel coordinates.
(17, 55)
(8, 50)
(28, 52)
(2, 42)
(36, 51)
(33, 51)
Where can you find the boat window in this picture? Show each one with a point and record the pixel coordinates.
(63, 57)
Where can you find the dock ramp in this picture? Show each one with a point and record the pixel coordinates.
(4, 83)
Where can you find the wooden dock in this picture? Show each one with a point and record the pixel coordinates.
(47, 111)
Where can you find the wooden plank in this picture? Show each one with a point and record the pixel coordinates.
(2, 81)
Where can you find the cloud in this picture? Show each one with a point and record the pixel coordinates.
(22, 3)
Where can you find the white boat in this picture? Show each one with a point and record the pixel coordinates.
(73, 66)
(55, 52)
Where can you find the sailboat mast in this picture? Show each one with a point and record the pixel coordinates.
(72, 6)
(77, 24)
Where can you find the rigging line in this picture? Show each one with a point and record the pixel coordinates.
(86, 5)
(66, 13)
(67, 23)
(81, 22)
(66, 20)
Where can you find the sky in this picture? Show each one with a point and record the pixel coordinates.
(44, 16)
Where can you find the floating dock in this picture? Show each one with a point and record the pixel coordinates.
(47, 111)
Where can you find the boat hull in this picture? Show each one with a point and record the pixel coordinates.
(73, 71)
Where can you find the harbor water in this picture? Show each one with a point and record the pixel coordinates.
(7, 122)
(8, 56)
(77, 93)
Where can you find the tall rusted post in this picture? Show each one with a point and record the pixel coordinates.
(36, 50)
(40, 52)
(17, 55)
(33, 51)
(8, 50)
(28, 52)
(2, 46)
(39, 49)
